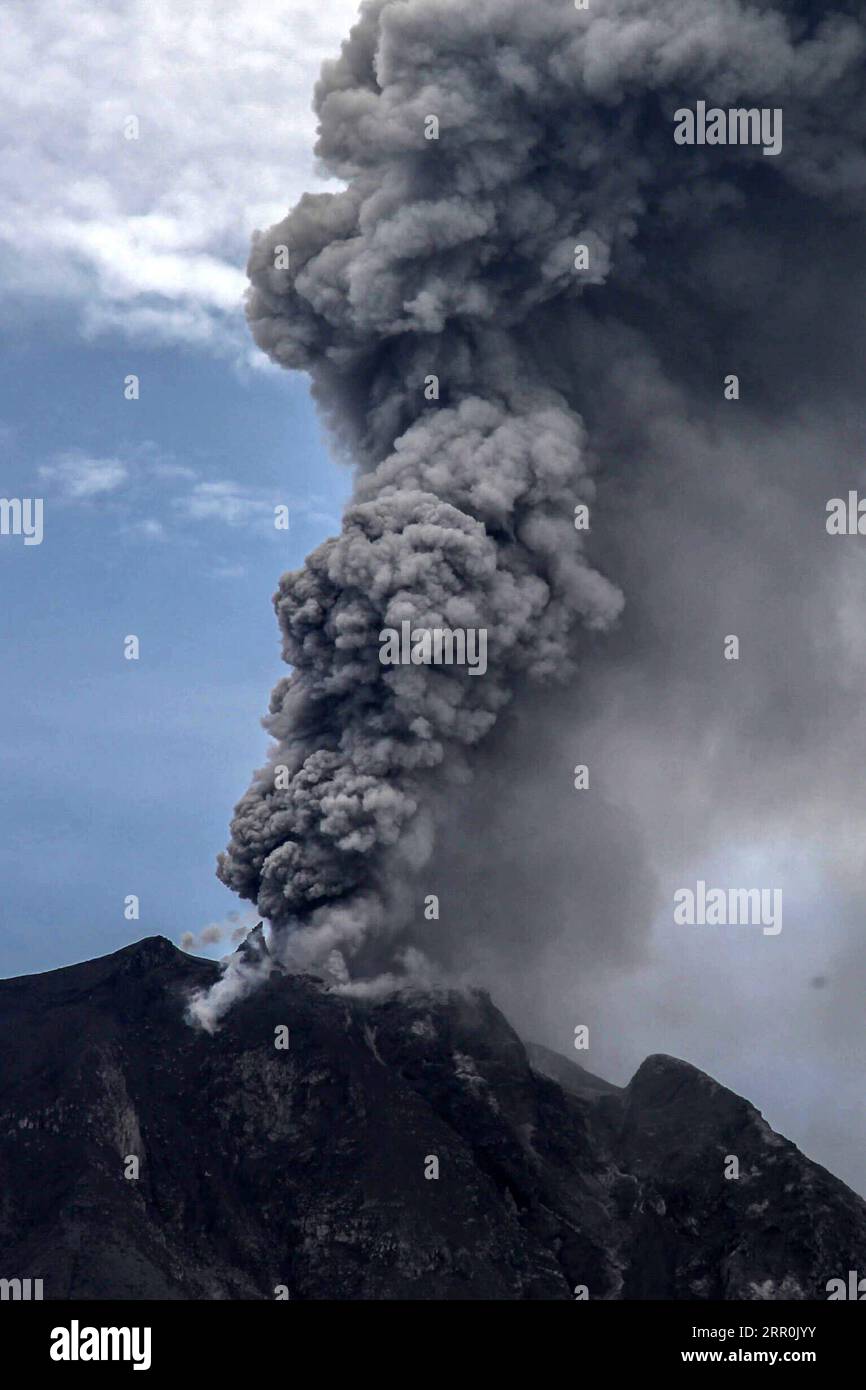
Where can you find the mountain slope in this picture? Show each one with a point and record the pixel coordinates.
(306, 1167)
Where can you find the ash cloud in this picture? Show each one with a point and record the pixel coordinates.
(233, 929)
(454, 258)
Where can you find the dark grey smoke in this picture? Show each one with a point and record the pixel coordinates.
(455, 258)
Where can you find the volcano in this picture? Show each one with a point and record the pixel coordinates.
(318, 1147)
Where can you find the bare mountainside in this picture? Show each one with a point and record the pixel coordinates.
(306, 1168)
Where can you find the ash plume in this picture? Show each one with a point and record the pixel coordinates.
(454, 258)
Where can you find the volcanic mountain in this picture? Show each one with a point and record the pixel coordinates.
(411, 1148)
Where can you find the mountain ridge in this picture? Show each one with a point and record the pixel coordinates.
(310, 1169)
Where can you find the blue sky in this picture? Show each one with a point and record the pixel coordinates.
(119, 776)
(122, 256)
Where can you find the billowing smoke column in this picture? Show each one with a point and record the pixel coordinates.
(481, 144)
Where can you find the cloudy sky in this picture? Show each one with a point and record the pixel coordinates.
(126, 256)
(123, 257)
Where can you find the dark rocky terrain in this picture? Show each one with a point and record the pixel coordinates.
(306, 1167)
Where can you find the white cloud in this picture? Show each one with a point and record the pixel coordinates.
(81, 477)
(146, 481)
(150, 529)
(150, 236)
(225, 501)
(170, 471)
(227, 571)
(153, 497)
